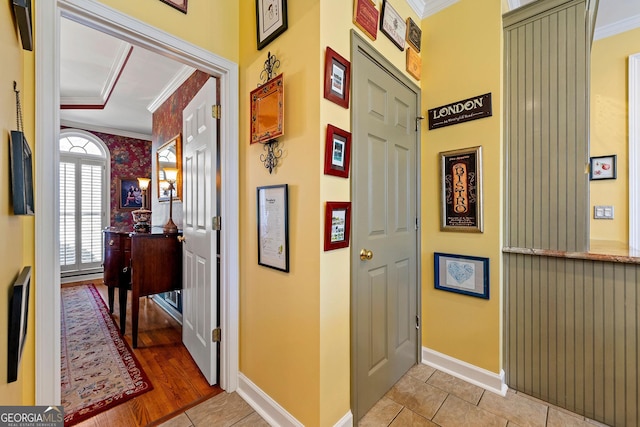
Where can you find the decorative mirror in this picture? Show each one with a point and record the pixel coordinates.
(169, 155)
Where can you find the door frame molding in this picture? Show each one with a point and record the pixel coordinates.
(360, 44)
(47, 126)
(634, 151)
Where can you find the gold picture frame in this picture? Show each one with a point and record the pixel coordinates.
(267, 111)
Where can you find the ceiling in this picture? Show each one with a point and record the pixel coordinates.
(110, 86)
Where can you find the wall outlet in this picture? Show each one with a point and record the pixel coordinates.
(603, 212)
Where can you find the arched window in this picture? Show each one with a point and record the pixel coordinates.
(83, 201)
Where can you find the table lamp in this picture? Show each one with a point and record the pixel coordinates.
(171, 176)
(142, 216)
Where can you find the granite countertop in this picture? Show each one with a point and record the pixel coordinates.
(600, 250)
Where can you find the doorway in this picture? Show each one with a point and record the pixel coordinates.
(385, 197)
(100, 17)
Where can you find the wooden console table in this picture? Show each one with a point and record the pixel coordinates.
(146, 263)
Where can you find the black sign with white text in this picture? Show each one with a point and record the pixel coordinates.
(461, 111)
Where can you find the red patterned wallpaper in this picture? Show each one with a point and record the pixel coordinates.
(167, 119)
(130, 158)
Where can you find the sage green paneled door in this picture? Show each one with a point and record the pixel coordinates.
(384, 244)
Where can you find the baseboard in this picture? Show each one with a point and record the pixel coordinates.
(465, 371)
(345, 421)
(264, 405)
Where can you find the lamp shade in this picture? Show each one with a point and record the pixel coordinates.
(164, 185)
(144, 183)
(171, 174)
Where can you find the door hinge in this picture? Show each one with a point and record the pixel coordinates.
(216, 223)
(417, 223)
(417, 322)
(216, 335)
(216, 111)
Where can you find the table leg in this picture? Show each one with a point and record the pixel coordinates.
(110, 293)
(122, 294)
(135, 306)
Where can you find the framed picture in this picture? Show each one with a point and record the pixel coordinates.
(414, 34)
(461, 178)
(337, 78)
(337, 225)
(267, 110)
(273, 227)
(414, 65)
(337, 152)
(129, 194)
(271, 20)
(468, 275)
(603, 167)
(392, 25)
(181, 5)
(365, 16)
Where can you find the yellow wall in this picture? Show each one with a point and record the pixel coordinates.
(458, 65)
(279, 312)
(17, 248)
(610, 129)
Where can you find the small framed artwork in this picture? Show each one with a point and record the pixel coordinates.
(271, 20)
(414, 34)
(365, 16)
(130, 194)
(392, 25)
(337, 152)
(461, 177)
(273, 227)
(267, 110)
(337, 225)
(468, 275)
(181, 5)
(337, 78)
(414, 65)
(603, 167)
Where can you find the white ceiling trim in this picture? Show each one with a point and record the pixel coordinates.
(180, 77)
(117, 66)
(425, 8)
(104, 129)
(618, 27)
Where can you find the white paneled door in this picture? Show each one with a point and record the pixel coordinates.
(199, 294)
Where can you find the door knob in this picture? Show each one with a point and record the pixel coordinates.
(182, 239)
(366, 255)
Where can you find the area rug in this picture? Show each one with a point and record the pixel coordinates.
(99, 370)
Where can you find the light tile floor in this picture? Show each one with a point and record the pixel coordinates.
(422, 397)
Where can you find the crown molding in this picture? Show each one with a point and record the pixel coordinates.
(617, 27)
(177, 80)
(104, 129)
(425, 8)
(100, 101)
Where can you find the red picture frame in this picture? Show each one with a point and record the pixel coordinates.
(337, 78)
(337, 225)
(337, 152)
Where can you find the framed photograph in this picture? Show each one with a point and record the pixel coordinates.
(414, 34)
(337, 152)
(392, 25)
(130, 194)
(461, 178)
(337, 78)
(365, 16)
(468, 275)
(603, 167)
(273, 227)
(181, 5)
(337, 225)
(271, 20)
(267, 110)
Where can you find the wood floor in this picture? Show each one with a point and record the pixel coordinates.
(177, 381)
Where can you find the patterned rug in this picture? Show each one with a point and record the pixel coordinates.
(98, 368)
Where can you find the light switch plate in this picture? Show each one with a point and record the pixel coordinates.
(603, 212)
